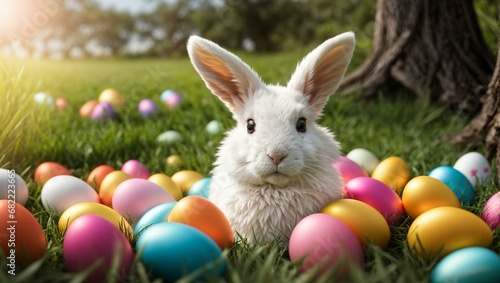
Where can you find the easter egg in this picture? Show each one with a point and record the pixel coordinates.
(136, 169)
(323, 239)
(348, 169)
(155, 215)
(200, 188)
(468, 265)
(491, 211)
(103, 112)
(170, 98)
(61, 104)
(109, 184)
(43, 98)
(213, 127)
(174, 160)
(47, 170)
(84, 208)
(92, 241)
(442, 230)
(173, 250)
(166, 182)
(474, 166)
(457, 182)
(364, 158)
(21, 235)
(392, 171)
(112, 96)
(169, 137)
(147, 108)
(87, 108)
(365, 221)
(13, 187)
(134, 197)
(98, 174)
(205, 216)
(378, 195)
(61, 192)
(423, 193)
(185, 179)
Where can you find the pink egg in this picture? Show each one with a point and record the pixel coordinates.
(491, 211)
(323, 239)
(378, 195)
(91, 240)
(136, 169)
(348, 169)
(103, 112)
(61, 104)
(134, 197)
(147, 107)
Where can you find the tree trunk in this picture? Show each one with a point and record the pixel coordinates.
(485, 128)
(427, 46)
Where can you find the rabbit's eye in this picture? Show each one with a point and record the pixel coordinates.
(301, 125)
(250, 126)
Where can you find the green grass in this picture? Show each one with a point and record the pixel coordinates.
(395, 124)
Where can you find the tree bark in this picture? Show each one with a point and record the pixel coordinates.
(484, 129)
(427, 46)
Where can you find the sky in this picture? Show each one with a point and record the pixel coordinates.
(133, 6)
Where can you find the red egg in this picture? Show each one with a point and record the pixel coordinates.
(97, 175)
(47, 170)
(21, 235)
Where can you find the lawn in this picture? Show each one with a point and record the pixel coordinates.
(395, 123)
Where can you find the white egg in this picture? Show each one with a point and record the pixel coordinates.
(474, 166)
(61, 192)
(364, 158)
(13, 187)
(213, 127)
(42, 98)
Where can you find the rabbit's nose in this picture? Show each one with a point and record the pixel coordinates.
(276, 158)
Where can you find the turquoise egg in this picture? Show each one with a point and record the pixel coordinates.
(155, 215)
(200, 188)
(173, 250)
(169, 137)
(457, 182)
(468, 265)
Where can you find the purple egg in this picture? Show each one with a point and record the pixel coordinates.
(103, 112)
(91, 240)
(147, 107)
(136, 169)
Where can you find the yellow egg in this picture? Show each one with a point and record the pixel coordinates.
(174, 160)
(109, 184)
(442, 230)
(423, 193)
(185, 179)
(112, 96)
(166, 182)
(365, 221)
(393, 171)
(83, 208)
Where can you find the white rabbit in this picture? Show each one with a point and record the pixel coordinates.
(275, 167)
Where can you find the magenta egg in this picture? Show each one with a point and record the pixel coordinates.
(134, 197)
(103, 112)
(136, 169)
(92, 241)
(348, 169)
(323, 239)
(147, 107)
(491, 211)
(378, 195)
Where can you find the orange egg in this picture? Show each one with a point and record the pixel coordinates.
(392, 171)
(61, 104)
(87, 108)
(21, 235)
(97, 175)
(47, 170)
(205, 216)
(109, 184)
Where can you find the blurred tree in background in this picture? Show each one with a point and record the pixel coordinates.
(68, 28)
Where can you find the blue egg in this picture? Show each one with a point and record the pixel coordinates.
(200, 188)
(457, 182)
(172, 250)
(155, 215)
(468, 265)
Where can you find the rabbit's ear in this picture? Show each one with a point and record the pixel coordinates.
(224, 74)
(320, 72)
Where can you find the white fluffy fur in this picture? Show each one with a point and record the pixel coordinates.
(262, 200)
